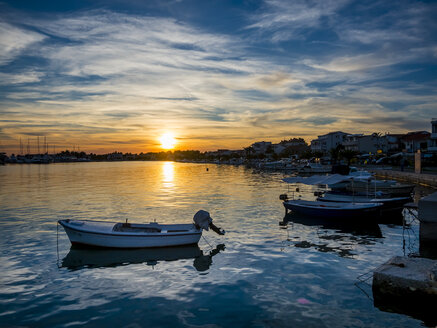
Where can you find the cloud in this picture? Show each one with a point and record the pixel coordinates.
(14, 40)
(107, 44)
(133, 77)
(19, 78)
(360, 62)
(285, 20)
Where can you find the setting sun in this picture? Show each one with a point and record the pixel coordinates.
(167, 141)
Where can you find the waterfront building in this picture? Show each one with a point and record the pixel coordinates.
(223, 153)
(115, 156)
(352, 142)
(372, 143)
(418, 140)
(394, 143)
(325, 143)
(261, 147)
(294, 145)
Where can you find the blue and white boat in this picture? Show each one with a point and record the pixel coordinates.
(136, 235)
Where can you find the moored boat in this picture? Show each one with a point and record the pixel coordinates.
(388, 204)
(315, 168)
(332, 210)
(359, 184)
(134, 235)
(369, 187)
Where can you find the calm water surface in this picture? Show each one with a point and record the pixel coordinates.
(259, 275)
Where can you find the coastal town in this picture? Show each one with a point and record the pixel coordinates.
(254, 164)
(376, 148)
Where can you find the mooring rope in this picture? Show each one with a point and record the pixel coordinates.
(57, 244)
(207, 241)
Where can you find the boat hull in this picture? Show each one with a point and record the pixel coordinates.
(129, 240)
(331, 212)
(389, 205)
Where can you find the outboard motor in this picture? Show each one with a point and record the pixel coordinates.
(203, 220)
(283, 197)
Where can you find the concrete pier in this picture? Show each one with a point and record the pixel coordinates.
(408, 286)
(429, 180)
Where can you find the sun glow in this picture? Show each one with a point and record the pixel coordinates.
(167, 141)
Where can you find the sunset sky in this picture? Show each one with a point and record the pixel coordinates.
(118, 75)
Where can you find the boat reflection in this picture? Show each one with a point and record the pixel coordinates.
(395, 218)
(359, 228)
(85, 257)
(329, 236)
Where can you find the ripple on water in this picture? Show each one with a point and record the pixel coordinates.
(300, 274)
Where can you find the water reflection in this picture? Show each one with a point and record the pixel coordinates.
(34, 292)
(85, 257)
(328, 236)
(394, 219)
(419, 306)
(168, 174)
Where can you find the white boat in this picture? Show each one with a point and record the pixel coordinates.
(314, 168)
(333, 210)
(135, 235)
(279, 165)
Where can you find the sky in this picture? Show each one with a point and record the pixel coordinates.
(116, 75)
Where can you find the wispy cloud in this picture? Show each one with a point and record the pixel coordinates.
(297, 69)
(285, 20)
(14, 40)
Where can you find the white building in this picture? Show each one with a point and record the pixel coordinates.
(293, 144)
(328, 141)
(418, 140)
(372, 143)
(261, 147)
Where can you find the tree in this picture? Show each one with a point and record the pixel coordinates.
(318, 154)
(335, 153)
(348, 155)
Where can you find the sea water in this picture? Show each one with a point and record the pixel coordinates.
(260, 274)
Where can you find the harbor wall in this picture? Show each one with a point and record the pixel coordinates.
(429, 180)
(428, 220)
(407, 285)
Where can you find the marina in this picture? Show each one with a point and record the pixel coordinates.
(208, 164)
(302, 271)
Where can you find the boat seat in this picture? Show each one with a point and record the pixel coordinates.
(123, 227)
(117, 227)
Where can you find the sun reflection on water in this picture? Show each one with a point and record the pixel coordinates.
(168, 174)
